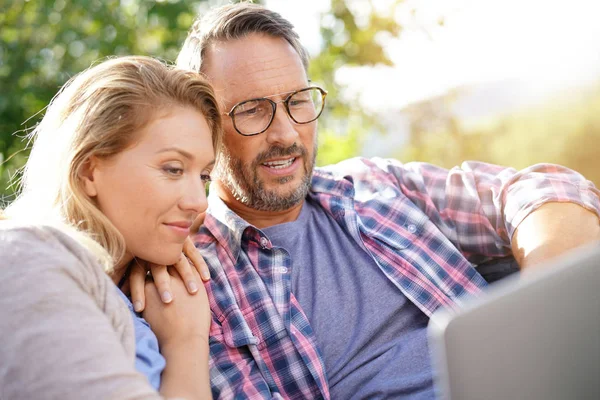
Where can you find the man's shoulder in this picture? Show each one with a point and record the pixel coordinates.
(359, 170)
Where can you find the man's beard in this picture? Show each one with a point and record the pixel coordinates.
(245, 185)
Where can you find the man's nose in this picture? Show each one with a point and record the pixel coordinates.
(283, 129)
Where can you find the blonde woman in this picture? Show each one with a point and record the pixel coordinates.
(116, 177)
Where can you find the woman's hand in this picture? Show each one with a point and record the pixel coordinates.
(190, 264)
(187, 318)
(182, 329)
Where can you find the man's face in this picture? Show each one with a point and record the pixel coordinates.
(270, 171)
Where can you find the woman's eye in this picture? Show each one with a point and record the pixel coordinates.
(173, 171)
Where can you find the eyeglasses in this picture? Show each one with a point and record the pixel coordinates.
(254, 116)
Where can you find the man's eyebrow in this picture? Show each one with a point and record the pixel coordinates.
(177, 150)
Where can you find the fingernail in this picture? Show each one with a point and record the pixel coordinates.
(166, 297)
(192, 286)
(205, 274)
(137, 306)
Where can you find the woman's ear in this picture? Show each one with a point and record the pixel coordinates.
(87, 175)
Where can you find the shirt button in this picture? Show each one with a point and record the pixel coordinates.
(282, 270)
(264, 242)
(412, 228)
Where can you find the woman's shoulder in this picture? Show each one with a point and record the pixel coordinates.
(56, 300)
(20, 237)
(42, 263)
(13, 232)
(45, 249)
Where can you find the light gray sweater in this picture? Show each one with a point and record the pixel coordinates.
(64, 332)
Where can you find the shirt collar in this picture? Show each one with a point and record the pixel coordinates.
(225, 225)
(228, 228)
(331, 182)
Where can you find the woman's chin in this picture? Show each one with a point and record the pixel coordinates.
(163, 258)
(159, 254)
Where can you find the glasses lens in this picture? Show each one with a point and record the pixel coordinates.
(306, 105)
(252, 116)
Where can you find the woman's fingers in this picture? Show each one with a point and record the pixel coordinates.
(188, 264)
(185, 271)
(137, 281)
(162, 280)
(193, 254)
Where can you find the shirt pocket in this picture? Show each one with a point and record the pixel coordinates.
(259, 325)
(395, 222)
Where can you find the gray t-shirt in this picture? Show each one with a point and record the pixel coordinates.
(372, 338)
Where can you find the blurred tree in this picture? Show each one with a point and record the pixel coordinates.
(350, 38)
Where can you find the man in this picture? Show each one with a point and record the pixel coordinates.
(323, 279)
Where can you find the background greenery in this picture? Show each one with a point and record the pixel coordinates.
(44, 42)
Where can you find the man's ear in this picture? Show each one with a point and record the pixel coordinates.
(87, 175)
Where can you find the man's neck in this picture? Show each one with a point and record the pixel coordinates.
(260, 219)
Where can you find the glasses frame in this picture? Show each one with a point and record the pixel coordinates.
(285, 102)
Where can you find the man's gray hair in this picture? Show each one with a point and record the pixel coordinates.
(235, 21)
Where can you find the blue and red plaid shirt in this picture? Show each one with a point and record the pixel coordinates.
(423, 226)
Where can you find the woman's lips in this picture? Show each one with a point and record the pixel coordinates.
(181, 228)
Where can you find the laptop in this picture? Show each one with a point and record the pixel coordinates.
(533, 336)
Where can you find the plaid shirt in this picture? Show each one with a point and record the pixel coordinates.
(423, 226)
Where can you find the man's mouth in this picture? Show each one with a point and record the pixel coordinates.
(279, 164)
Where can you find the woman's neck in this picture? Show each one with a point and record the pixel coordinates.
(120, 272)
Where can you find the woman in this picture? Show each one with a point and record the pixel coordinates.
(116, 177)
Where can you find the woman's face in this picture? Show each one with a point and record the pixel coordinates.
(153, 191)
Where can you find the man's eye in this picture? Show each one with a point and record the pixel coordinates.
(247, 112)
(298, 102)
(250, 109)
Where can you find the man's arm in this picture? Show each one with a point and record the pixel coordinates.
(478, 206)
(551, 230)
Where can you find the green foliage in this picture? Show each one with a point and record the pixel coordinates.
(334, 147)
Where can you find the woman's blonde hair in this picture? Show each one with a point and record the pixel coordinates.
(97, 113)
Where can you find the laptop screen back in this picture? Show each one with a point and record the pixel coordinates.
(530, 337)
